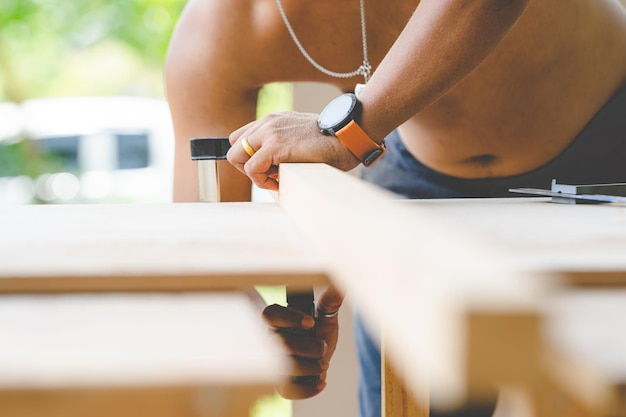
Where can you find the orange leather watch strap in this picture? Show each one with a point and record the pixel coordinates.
(360, 144)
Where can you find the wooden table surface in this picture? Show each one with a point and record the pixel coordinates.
(462, 289)
(169, 355)
(583, 241)
(584, 244)
(175, 247)
(128, 351)
(580, 246)
(423, 265)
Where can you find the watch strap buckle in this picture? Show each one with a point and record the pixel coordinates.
(360, 144)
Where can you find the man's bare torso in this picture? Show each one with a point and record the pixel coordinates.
(519, 109)
(529, 99)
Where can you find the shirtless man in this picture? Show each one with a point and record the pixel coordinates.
(472, 97)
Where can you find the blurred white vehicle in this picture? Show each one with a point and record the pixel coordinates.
(106, 149)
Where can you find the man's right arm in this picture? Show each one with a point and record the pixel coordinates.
(207, 92)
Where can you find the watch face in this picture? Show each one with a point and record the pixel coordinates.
(338, 112)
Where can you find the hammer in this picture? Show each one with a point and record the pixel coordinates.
(207, 151)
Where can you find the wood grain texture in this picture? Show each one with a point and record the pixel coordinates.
(208, 401)
(396, 399)
(585, 244)
(134, 355)
(100, 340)
(408, 271)
(152, 247)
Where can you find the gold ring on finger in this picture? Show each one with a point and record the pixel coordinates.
(247, 147)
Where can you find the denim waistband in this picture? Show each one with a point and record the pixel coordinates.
(596, 155)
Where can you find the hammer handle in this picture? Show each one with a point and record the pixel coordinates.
(302, 300)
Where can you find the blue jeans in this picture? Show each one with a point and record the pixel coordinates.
(596, 155)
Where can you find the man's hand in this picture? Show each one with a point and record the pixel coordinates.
(309, 354)
(284, 137)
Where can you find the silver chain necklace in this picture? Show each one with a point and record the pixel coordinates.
(365, 69)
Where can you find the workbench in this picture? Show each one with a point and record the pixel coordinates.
(152, 247)
(465, 293)
(458, 290)
(157, 355)
(132, 310)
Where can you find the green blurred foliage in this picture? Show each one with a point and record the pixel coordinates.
(23, 158)
(12, 159)
(275, 97)
(83, 47)
(52, 48)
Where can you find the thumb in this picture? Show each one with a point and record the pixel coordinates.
(329, 302)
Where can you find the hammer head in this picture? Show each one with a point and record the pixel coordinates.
(212, 148)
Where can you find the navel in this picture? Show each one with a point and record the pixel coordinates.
(482, 160)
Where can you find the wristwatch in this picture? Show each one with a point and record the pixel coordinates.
(340, 118)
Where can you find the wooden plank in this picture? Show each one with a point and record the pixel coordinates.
(585, 328)
(114, 354)
(504, 333)
(584, 365)
(396, 399)
(152, 247)
(585, 244)
(213, 401)
(409, 273)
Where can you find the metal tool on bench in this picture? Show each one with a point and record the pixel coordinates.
(614, 193)
(207, 151)
(302, 300)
